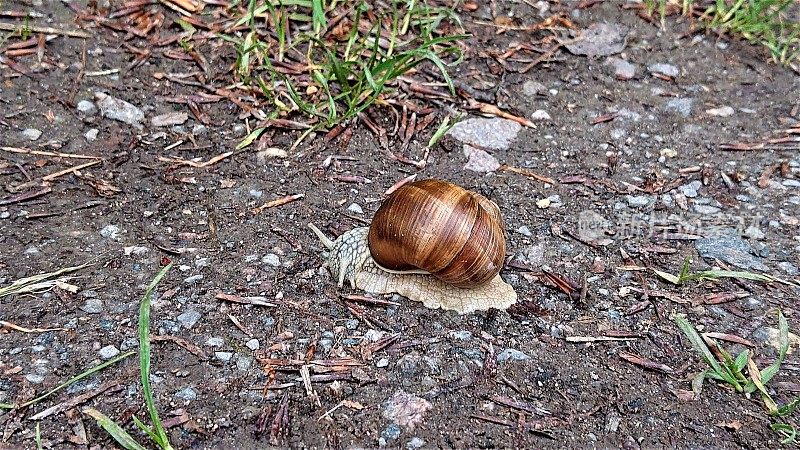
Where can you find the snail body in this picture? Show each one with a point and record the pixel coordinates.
(431, 241)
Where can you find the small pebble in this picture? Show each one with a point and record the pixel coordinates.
(791, 183)
(193, 279)
(391, 432)
(271, 259)
(706, 209)
(91, 135)
(223, 356)
(355, 208)
(92, 306)
(754, 232)
(243, 363)
(215, 342)
(188, 394)
(690, 190)
(635, 201)
(462, 335)
(108, 352)
(511, 354)
(34, 378)
(540, 114)
(664, 69)
(415, 443)
(525, 231)
(724, 111)
(383, 362)
(31, 134)
(189, 318)
(681, 106)
(252, 344)
(87, 107)
(351, 324)
(533, 88)
(788, 267)
(623, 70)
(110, 231)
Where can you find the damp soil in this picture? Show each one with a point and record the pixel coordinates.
(218, 388)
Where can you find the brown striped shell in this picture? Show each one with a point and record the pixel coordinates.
(438, 227)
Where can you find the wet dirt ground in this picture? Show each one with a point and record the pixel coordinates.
(639, 158)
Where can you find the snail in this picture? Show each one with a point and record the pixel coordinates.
(430, 241)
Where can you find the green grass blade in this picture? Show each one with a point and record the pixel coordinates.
(121, 436)
(741, 360)
(149, 431)
(250, 138)
(38, 437)
(783, 336)
(788, 432)
(448, 123)
(788, 408)
(697, 342)
(668, 277)
(144, 358)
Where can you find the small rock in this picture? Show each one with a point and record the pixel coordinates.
(754, 232)
(664, 69)
(34, 378)
(391, 432)
(730, 249)
(252, 344)
(682, 106)
(87, 107)
(405, 410)
(623, 70)
(462, 335)
(479, 160)
(415, 443)
(511, 354)
(31, 134)
(525, 231)
(372, 335)
(383, 362)
(135, 250)
(494, 133)
(263, 156)
(668, 153)
(351, 324)
(199, 129)
(540, 114)
(193, 279)
(355, 208)
(223, 356)
(187, 394)
(690, 190)
(271, 259)
(129, 343)
(169, 119)
(600, 39)
(189, 318)
(788, 267)
(215, 342)
(117, 109)
(791, 183)
(533, 88)
(543, 203)
(108, 352)
(723, 111)
(93, 306)
(91, 135)
(243, 363)
(706, 209)
(635, 201)
(110, 231)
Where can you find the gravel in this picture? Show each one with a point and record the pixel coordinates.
(108, 352)
(494, 133)
(189, 318)
(92, 306)
(271, 259)
(511, 354)
(31, 134)
(730, 249)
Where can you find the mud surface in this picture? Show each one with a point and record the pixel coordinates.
(639, 158)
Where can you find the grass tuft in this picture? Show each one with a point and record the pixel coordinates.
(770, 23)
(706, 275)
(329, 61)
(156, 433)
(723, 367)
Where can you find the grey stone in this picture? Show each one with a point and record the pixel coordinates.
(193, 279)
(511, 354)
(540, 114)
(600, 39)
(371, 335)
(92, 306)
(189, 318)
(730, 249)
(271, 259)
(690, 190)
(355, 208)
(706, 209)
(223, 356)
(34, 378)
(215, 342)
(525, 231)
(391, 432)
(494, 133)
(623, 70)
(169, 119)
(108, 352)
(635, 201)
(32, 251)
(664, 69)
(383, 362)
(415, 443)
(754, 232)
(682, 106)
(91, 135)
(188, 394)
(129, 343)
(243, 363)
(791, 183)
(252, 344)
(87, 107)
(117, 109)
(479, 160)
(533, 88)
(462, 335)
(788, 267)
(722, 111)
(351, 324)
(199, 129)
(31, 134)
(110, 231)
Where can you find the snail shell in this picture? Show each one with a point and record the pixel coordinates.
(414, 262)
(440, 228)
